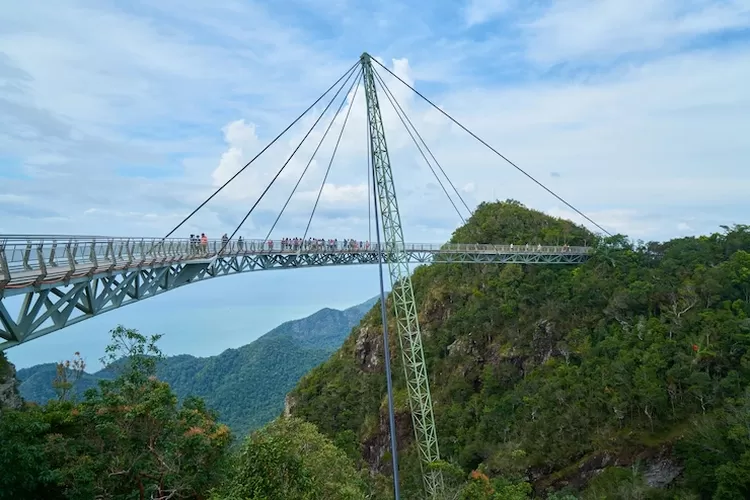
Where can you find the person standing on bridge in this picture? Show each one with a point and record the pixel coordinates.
(204, 242)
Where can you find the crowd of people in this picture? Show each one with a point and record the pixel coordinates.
(199, 244)
(314, 244)
(529, 247)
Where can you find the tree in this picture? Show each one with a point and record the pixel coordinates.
(131, 438)
(68, 372)
(24, 465)
(289, 458)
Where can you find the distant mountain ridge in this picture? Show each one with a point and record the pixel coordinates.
(324, 337)
(246, 385)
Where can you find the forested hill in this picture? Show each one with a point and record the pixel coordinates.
(625, 377)
(245, 385)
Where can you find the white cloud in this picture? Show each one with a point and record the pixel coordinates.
(242, 145)
(130, 120)
(13, 198)
(615, 221)
(479, 11)
(339, 195)
(576, 29)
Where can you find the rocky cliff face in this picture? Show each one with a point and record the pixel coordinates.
(289, 403)
(368, 355)
(657, 465)
(368, 349)
(375, 449)
(9, 396)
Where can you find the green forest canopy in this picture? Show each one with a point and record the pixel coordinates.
(538, 371)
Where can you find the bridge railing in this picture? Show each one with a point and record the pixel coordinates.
(57, 255)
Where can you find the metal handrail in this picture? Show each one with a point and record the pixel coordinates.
(47, 255)
(37, 239)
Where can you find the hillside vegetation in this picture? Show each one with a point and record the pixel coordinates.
(246, 386)
(625, 377)
(129, 438)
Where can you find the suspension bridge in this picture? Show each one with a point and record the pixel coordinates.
(49, 282)
(65, 280)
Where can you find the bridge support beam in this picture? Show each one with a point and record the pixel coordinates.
(190, 271)
(402, 293)
(117, 283)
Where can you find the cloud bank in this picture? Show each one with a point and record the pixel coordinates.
(122, 120)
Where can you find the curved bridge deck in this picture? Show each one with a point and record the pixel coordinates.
(64, 280)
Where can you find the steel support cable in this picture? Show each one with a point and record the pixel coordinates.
(419, 148)
(492, 149)
(312, 157)
(333, 155)
(419, 136)
(348, 72)
(285, 163)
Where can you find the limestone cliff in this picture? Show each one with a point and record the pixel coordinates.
(9, 396)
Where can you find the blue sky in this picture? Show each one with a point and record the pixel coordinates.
(120, 117)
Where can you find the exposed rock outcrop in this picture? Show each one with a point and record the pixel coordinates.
(376, 449)
(656, 464)
(9, 396)
(368, 349)
(289, 404)
(661, 472)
